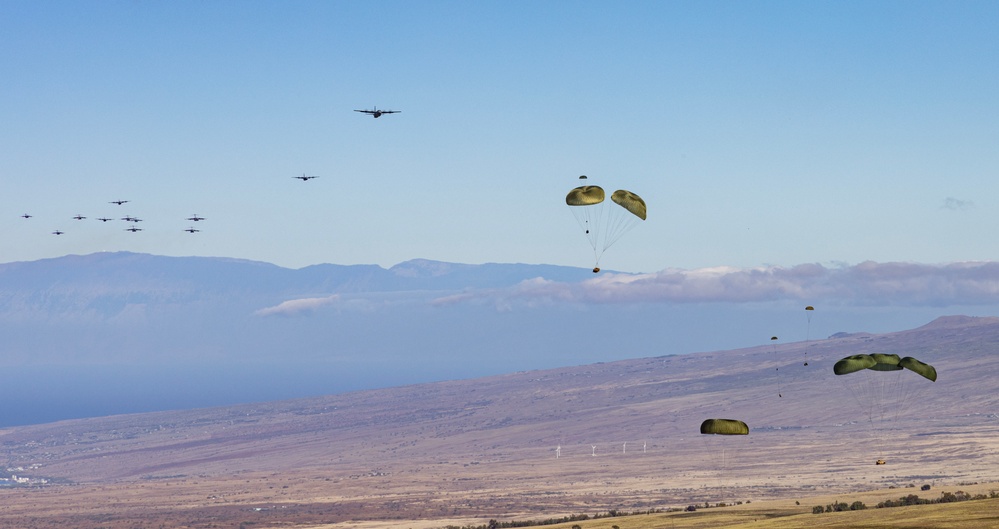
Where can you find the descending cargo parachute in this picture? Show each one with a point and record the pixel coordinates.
(884, 386)
(604, 223)
(773, 340)
(724, 427)
(723, 435)
(808, 312)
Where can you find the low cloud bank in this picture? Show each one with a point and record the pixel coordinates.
(297, 307)
(868, 283)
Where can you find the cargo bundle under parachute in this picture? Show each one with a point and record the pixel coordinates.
(603, 224)
(884, 386)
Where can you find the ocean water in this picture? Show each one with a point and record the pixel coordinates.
(43, 394)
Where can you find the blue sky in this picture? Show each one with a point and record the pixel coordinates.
(759, 133)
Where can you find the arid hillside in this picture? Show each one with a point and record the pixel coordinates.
(587, 439)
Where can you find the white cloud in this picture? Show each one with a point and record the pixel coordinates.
(868, 283)
(295, 307)
(956, 204)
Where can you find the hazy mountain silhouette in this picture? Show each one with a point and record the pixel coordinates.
(152, 332)
(126, 332)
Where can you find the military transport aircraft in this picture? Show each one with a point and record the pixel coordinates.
(103, 219)
(133, 229)
(195, 218)
(377, 113)
(25, 216)
(191, 230)
(58, 232)
(305, 178)
(130, 218)
(79, 217)
(119, 202)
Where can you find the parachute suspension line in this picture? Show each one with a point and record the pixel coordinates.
(869, 392)
(724, 485)
(590, 221)
(724, 429)
(773, 340)
(883, 427)
(892, 385)
(617, 225)
(600, 231)
(598, 234)
(882, 389)
(808, 324)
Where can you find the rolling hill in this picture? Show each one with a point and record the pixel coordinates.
(475, 449)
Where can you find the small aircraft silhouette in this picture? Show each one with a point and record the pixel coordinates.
(25, 216)
(133, 229)
(191, 230)
(103, 219)
(130, 218)
(119, 202)
(195, 218)
(58, 232)
(377, 113)
(79, 217)
(305, 178)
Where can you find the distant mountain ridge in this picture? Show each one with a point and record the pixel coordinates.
(88, 321)
(128, 332)
(74, 279)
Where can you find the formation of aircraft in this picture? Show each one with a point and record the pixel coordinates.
(373, 112)
(128, 218)
(376, 113)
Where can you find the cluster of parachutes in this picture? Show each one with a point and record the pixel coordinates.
(881, 397)
(883, 386)
(603, 224)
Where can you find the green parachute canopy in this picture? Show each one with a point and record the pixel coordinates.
(724, 427)
(585, 196)
(884, 362)
(852, 364)
(630, 202)
(924, 370)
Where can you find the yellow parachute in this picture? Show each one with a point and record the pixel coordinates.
(603, 224)
(724, 427)
(808, 312)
